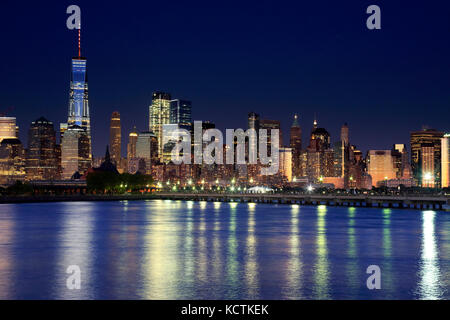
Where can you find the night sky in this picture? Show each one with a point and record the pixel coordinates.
(276, 58)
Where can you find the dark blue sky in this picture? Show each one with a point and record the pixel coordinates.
(231, 57)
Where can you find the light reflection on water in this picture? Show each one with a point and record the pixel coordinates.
(167, 249)
(429, 287)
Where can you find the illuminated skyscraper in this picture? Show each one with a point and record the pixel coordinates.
(12, 161)
(75, 152)
(159, 115)
(285, 163)
(296, 146)
(78, 97)
(7, 128)
(131, 147)
(380, 166)
(115, 138)
(427, 163)
(319, 157)
(426, 138)
(445, 157)
(42, 160)
(344, 134)
(181, 113)
(270, 125)
(147, 149)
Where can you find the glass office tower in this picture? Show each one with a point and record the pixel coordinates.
(79, 99)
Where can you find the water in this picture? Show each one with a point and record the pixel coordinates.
(164, 249)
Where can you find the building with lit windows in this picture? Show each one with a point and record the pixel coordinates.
(159, 112)
(75, 152)
(7, 128)
(12, 161)
(131, 147)
(270, 125)
(115, 139)
(380, 166)
(285, 163)
(296, 145)
(426, 138)
(181, 113)
(445, 164)
(42, 159)
(146, 152)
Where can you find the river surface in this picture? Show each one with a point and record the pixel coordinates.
(163, 249)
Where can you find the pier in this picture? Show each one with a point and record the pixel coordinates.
(399, 202)
(368, 201)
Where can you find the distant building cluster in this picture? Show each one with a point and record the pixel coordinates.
(318, 161)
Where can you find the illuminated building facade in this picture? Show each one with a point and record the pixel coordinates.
(426, 138)
(445, 157)
(12, 161)
(296, 146)
(319, 155)
(285, 163)
(75, 152)
(181, 113)
(401, 161)
(271, 125)
(42, 159)
(115, 138)
(159, 112)
(7, 128)
(380, 166)
(131, 147)
(146, 150)
(79, 99)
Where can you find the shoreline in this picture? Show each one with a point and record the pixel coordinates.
(392, 202)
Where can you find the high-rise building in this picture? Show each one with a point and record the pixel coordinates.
(75, 152)
(344, 134)
(7, 128)
(427, 164)
(115, 138)
(253, 121)
(285, 163)
(319, 156)
(426, 138)
(131, 147)
(296, 146)
(159, 115)
(42, 159)
(181, 113)
(380, 166)
(401, 161)
(79, 114)
(445, 157)
(271, 125)
(12, 161)
(147, 150)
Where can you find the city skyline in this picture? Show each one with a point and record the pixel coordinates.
(366, 105)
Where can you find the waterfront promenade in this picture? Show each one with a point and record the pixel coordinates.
(378, 201)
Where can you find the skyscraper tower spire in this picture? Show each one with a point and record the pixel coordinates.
(79, 114)
(79, 42)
